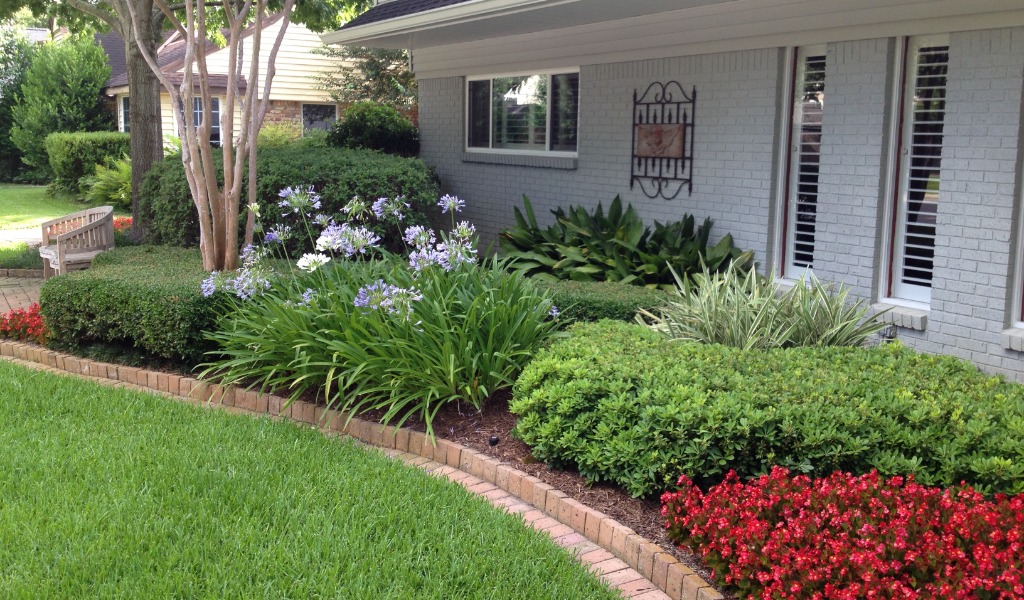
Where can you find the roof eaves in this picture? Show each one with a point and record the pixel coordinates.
(449, 13)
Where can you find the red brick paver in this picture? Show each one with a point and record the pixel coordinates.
(18, 292)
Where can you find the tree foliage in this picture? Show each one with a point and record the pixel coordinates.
(15, 56)
(378, 75)
(61, 92)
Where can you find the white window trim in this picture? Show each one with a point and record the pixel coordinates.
(1017, 306)
(120, 111)
(895, 178)
(789, 165)
(490, 119)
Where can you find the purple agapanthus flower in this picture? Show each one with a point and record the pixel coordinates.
(346, 240)
(449, 203)
(419, 237)
(388, 298)
(209, 285)
(554, 312)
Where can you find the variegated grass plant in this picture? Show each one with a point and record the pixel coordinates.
(742, 309)
(405, 336)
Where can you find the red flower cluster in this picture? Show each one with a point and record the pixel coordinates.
(22, 324)
(849, 537)
(122, 224)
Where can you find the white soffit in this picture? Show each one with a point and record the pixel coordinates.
(481, 35)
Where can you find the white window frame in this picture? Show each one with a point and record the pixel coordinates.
(897, 182)
(791, 168)
(490, 119)
(1017, 316)
(122, 123)
(302, 116)
(191, 115)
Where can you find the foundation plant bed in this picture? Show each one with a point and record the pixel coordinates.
(904, 469)
(119, 493)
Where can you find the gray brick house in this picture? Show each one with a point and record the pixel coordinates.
(879, 143)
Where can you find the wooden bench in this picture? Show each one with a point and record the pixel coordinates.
(72, 241)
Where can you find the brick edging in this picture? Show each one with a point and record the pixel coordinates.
(23, 273)
(444, 458)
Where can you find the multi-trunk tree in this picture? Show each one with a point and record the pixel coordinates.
(241, 24)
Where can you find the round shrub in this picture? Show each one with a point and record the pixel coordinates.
(76, 155)
(624, 404)
(375, 127)
(336, 175)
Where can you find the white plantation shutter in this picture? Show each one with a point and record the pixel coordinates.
(805, 158)
(920, 163)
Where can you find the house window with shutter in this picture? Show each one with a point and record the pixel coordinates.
(804, 160)
(919, 164)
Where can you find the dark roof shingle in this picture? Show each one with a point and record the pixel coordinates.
(396, 9)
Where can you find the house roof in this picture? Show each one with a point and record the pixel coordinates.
(171, 57)
(398, 8)
(113, 45)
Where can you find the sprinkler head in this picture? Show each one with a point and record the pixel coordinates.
(493, 440)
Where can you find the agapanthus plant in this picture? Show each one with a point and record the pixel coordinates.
(377, 331)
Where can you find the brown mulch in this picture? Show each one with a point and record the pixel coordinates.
(466, 426)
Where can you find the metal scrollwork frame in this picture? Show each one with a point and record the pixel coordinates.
(662, 161)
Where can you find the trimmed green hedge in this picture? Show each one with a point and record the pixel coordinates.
(337, 174)
(75, 155)
(375, 127)
(596, 300)
(623, 404)
(146, 297)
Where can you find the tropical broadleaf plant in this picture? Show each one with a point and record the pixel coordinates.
(614, 246)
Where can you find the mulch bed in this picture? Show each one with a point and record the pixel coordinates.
(473, 429)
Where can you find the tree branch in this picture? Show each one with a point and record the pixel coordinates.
(94, 11)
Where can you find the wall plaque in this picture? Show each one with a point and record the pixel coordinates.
(662, 163)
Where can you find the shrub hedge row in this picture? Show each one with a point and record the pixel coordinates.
(623, 404)
(75, 155)
(146, 297)
(596, 300)
(336, 174)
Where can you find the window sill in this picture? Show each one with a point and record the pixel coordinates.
(1013, 339)
(521, 160)
(903, 316)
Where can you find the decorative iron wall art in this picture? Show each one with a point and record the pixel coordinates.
(663, 140)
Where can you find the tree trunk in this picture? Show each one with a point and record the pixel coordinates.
(144, 106)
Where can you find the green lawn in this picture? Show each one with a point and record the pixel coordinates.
(19, 255)
(109, 493)
(25, 206)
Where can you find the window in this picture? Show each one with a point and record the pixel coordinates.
(804, 160)
(125, 114)
(318, 116)
(214, 113)
(920, 156)
(523, 113)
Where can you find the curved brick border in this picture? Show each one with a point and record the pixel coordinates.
(617, 554)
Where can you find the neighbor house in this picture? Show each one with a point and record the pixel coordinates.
(294, 96)
(874, 143)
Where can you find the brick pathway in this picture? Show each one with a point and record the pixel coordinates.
(18, 292)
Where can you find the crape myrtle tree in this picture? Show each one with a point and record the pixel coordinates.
(234, 22)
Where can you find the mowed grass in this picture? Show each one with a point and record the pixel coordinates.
(26, 206)
(19, 255)
(107, 493)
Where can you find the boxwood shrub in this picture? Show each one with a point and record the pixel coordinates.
(146, 297)
(623, 404)
(596, 300)
(337, 175)
(75, 155)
